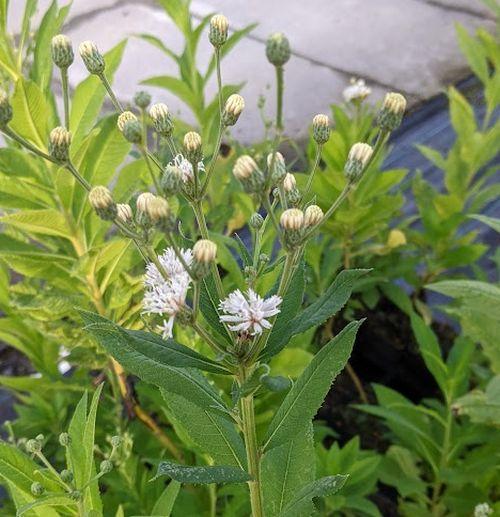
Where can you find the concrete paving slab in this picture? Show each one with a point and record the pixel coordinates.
(476, 7)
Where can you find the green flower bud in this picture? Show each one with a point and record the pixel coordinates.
(6, 112)
(59, 143)
(64, 439)
(321, 129)
(256, 221)
(162, 121)
(33, 446)
(37, 488)
(67, 476)
(76, 495)
(392, 111)
(294, 197)
(232, 109)
(62, 51)
(124, 213)
(204, 253)
(289, 183)
(279, 167)
(264, 258)
(312, 216)
(101, 200)
(132, 131)
(217, 34)
(292, 222)
(106, 466)
(357, 160)
(171, 180)
(91, 57)
(278, 49)
(245, 170)
(193, 150)
(116, 441)
(157, 209)
(142, 99)
(123, 118)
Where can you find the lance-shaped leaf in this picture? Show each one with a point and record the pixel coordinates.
(202, 475)
(301, 504)
(208, 307)
(152, 346)
(304, 399)
(323, 308)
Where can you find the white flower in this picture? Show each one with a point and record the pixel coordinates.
(357, 90)
(167, 297)
(482, 510)
(250, 312)
(186, 167)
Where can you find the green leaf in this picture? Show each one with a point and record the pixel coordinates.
(474, 52)
(323, 308)
(492, 222)
(300, 506)
(461, 114)
(45, 501)
(285, 470)
(304, 399)
(202, 475)
(482, 407)
(208, 308)
(151, 346)
(178, 87)
(45, 221)
(165, 503)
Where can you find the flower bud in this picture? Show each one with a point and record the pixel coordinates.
(278, 49)
(162, 121)
(312, 216)
(192, 147)
(101, 201)
(232, 109)
(289, 183)
(124, 213)
(116, 441)
(278, 171)
(256, 221)
(245, 169)
(204, 251)
(64, 439)
(321, 129)
(392, 111)
(217, 34)
(37, 488)
(106, 466)
(62, 51)
(6, 112)
(143, 201)
(171, 180)
(292, 219)
(40, 437)
(142, 99)
(357, 160)
(395, 239)
(67, 476)
(59, 142)
(123, 118)
(33, 446)
(157, 209)
(92, 58)
(130, 127)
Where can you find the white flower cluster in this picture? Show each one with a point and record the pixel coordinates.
(186, 167)
(357, 90)
(483, 510)
(249, 313)
(167, 296)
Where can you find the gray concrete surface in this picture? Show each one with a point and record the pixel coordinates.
(404, 45)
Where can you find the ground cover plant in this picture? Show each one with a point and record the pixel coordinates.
(208, 352)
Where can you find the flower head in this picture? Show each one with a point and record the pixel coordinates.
(166, 295)
(186, 167)
(250, 312)
(356, 91)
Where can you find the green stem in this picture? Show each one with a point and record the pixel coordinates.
(213, 161)
(112, 96)
(279, 98)
(146, 157)
(436, 490)
(27, 145)
(207, 337)
(313, 172)
(252, 448)
(271, 214)
(65, 90)
(44, 460)
(83, 182)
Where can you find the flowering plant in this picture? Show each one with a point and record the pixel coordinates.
(242, 321)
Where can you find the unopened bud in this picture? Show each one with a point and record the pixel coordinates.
(59, 142)
(106, 466)
(40, 437)
(232, 109)
(64, 439)
(204, 251)
(33, 446)
(101, 200)
(37, 488)
(357, 160)
(116, 441)
(123, 118)
(256, 221)
(6, 112)
(171, 180)
(132, 131)
(278, 49)
(91, 57)
(313, 215)
(124, 213)
(278, 166)
(396, 238)
(67, 476)
(289, 183)
(245, 169)
(217, 34)
(157, 209)
(162, 121)
(142, 99)
(192, 147)
(292, 219)
(321, 129)
(142, 202)
(62, 51)
(392, 111)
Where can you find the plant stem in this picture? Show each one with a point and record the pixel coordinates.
(271, 214)
(112, 96)
(65, 90)
(279, 98)
(145, 155)
(211, 167)
(313, 172)
(219, 82)
(436, 490)
(252, 448)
